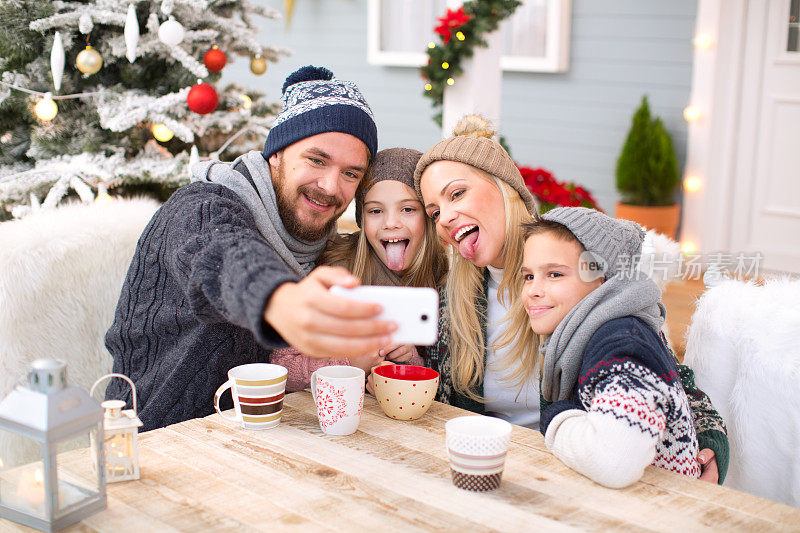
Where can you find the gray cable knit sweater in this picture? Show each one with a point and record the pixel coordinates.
(192, 303)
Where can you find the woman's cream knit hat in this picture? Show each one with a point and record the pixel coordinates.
(472, 145)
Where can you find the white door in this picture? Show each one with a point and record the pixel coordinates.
(766, 196)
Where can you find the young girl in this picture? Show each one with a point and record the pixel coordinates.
(485, 354)
(397, 245)
(616, 404)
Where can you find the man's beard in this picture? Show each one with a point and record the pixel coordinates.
(287, 209)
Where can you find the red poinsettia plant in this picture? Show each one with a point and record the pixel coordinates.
(550, 192)
(452, 20)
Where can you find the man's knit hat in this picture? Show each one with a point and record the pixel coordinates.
(471, 144)
(617, 242)
(315, 102)
(391, 164)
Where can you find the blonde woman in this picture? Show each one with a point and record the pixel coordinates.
(487, 355)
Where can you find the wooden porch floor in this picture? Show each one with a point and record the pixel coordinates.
(679, 298)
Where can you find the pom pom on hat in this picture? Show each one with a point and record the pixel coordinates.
(307, 73)
(474, 125)
(472, 144)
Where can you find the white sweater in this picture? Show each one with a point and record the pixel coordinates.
(504, 400)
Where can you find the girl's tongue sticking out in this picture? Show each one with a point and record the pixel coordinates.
(395, 253)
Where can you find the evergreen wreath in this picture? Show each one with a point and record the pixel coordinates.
(461, 31)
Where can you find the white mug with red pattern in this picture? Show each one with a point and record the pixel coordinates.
(338, 392)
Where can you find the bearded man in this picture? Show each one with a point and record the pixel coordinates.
(224, 272)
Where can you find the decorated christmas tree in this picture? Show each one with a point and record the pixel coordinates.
(120, 95)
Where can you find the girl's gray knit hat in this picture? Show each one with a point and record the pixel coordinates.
(617, 242)
(391, 164)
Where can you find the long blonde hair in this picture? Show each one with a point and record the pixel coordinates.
(464, 287)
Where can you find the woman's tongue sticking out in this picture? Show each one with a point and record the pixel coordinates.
(466, 246)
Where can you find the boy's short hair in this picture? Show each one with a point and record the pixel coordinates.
(540, 226)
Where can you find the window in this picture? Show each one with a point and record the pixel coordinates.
(535, 38)
(794, 26)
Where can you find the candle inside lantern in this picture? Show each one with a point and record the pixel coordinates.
(30, 488)
(118, 447)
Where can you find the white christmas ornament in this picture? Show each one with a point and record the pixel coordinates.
(131, 33)
(85, 23)
(194, 157)
(57, 61)
(171, 32)
(166, 7)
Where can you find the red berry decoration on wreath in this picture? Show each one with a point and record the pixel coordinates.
(202, 98)
(215, 59)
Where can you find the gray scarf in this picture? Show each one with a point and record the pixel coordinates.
(298, 255)
(617, 297)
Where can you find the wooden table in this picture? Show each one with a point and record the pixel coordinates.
(206, 474)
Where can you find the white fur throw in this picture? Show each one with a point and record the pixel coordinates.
(743, 347)
(61, 271)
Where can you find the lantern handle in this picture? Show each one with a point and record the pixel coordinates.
(109, 376)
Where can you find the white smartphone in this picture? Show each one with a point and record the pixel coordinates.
(414, 309)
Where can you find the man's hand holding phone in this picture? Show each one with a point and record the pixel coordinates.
(322, 324)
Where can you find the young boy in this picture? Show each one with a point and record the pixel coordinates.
(614, 399)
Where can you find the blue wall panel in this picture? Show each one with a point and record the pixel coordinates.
(573, 123)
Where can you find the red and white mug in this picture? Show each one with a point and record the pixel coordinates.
(338, 392)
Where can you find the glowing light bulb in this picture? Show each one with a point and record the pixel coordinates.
(428, 86)
(161, 132)
(38, 476)
(703, 41)
(688, 247)
(431, 44)
(691, 113)
(103, 198)
(247, 102)
(46, 109)
(460, 36)
(450, 81)
(445, 65)
(692, 184)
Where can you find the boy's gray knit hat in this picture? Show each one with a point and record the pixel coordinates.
(390, 164)
(617, 242)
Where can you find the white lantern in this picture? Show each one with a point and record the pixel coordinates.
(58, 487)
(121, 436)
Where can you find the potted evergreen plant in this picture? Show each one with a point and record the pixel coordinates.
(647, 175)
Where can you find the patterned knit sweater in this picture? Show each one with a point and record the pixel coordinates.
(192, 305)
(629, 410)
(709, 426)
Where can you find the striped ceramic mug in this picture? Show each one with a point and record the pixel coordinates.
(477, 447)
(257, 390)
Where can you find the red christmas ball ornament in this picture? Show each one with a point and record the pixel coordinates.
(202, 99)
(215, 59)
